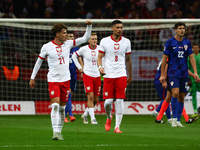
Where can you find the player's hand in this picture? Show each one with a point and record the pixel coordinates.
(164, 84)
(88, 22)
(162, 79)
(128, 81)
(196, 77)
(101, 70)
(32, 84)
(81, 71)
(198, 80)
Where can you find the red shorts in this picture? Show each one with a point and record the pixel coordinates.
(114, 88)
(92, 84)
(59, 89)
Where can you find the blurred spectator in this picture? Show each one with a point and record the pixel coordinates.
(173, 8)
(165, 34)
(6, 9)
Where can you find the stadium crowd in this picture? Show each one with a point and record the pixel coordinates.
(100, 9)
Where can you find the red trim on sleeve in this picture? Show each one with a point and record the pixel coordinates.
(128, 53)
(101, 52)
(41, 58)
(77, 54)
(74, 42)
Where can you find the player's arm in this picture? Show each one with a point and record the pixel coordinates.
(35, 71)
(164, 84)
(163, 75)
(193, 64)
(86, 36)
(99, 63)
(76, 62)
(129, 68)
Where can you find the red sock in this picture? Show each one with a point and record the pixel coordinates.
(185, 114)
(162, 110)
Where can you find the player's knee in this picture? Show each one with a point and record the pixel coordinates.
(55, 106)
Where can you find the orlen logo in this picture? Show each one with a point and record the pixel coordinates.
(147, 66)
(134, 105)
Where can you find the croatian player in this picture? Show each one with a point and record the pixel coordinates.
(177, 50)
(116, 51)
(165, 94)
(73, 81)
(91, 75)
(162, 92)
(57, 52)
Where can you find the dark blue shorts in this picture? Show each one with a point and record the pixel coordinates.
(160, 91)
(73, 83)
(176, 82)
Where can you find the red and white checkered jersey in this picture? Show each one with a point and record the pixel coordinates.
(114, 58)
(90, 60)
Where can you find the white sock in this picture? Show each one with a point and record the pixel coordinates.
(119, 110)
(91, 113)
(61, 118)
(86, 112)
(55, 116)
(108, 107)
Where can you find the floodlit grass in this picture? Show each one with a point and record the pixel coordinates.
(139, 132)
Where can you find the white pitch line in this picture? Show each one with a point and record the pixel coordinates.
(102, 145)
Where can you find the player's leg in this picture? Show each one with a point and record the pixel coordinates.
(54, 93)
(174, 86)
(108, 95)
(194, 96)
(64, 95)
(164, 107)
(180, 102)
(161, 94)
(119, 105)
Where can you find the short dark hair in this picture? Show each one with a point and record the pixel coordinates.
(116, 22)
(70, 32)
(179, 24)
(58, 28)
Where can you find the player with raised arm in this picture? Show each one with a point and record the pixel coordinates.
(116, 51)
(57, 52)
(73, 81)
(177, 50)
(91, 75)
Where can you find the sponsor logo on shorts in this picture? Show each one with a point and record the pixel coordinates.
(172, 83)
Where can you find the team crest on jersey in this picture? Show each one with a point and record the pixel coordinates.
(58, 49)
(116, 46)
(185, 46)
(93, 53)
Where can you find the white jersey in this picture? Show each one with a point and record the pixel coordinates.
(114, 58)
(58, 60)
(90, 60)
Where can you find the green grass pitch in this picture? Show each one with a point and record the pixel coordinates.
(139, 132)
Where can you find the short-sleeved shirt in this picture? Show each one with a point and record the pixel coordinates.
(178, 52)
(114, 58)
(58, 60)
(90, 60)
